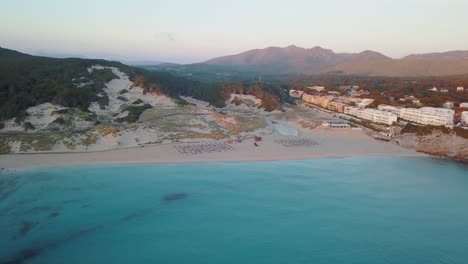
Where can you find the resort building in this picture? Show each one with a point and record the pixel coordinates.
(316, 88)
(295, 93)
(448, 104)
(336, 106)
(444, 90)
(433, 89)
(464, 105)
(428, 116)
(326, 102)
(336, 124)
(321, 101)
(416, 101)
(365, 102)
(464, 118)
(373, 115)
(391, 109)
(460, 89)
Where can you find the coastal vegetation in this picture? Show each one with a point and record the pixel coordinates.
(427, 130)
(27, 81)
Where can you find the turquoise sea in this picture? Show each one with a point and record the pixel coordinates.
(349, 210)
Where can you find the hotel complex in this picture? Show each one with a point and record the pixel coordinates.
(373, 115)
(428, 116)
(317, 100)
(391, 109)
(385, 114)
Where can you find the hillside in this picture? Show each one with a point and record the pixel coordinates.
(402, 68)
(78, 105)
(450, 55)
(273, 60)
(317, 60)
(27, 81)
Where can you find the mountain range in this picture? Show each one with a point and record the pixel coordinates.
(317, 60)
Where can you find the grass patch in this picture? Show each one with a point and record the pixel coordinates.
(134, 113)
(4, 146)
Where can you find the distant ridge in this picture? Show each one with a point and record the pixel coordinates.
(450, 55)
(318, 60)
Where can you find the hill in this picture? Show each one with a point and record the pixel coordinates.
(274, 60)
(317, 60)
(27, 81)
(450, 55)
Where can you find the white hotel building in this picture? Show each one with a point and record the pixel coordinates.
(428, 116)
(464, 118)
(389, 108)
(372, 115)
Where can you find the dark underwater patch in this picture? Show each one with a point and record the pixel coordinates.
(174, 197)
(28, 254)
(135, 215)
(26, 226)
(40, 209)
(54, 215)
(23, 256)
(8, 186)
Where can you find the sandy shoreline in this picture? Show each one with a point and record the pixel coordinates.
(331, 144)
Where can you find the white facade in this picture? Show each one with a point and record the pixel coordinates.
(448, 105)
(373, 115)
(460, 89)
(316, 88)
(391, 109)
(428, 116)
(464, 118)
(295, 93)
(365, 102)
(464, 105)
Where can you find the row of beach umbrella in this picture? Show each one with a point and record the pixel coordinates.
(199, 148)
(296, 142)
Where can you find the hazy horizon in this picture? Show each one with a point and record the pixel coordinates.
(189, 31)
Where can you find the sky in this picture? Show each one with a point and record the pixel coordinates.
(187, 31)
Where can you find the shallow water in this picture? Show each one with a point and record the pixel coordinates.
(351, 210)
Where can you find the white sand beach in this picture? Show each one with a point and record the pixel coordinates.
(330, 143)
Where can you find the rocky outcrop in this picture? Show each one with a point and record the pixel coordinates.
(437, 143)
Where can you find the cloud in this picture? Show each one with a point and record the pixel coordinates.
(165, 36)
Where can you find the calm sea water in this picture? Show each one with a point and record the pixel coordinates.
(351, 210)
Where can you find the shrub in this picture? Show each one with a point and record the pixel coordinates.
(139, 101)
(427, 130)
(103, 101)
(237, 101)
(134, 113)
(29, 126)
(59, 121)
